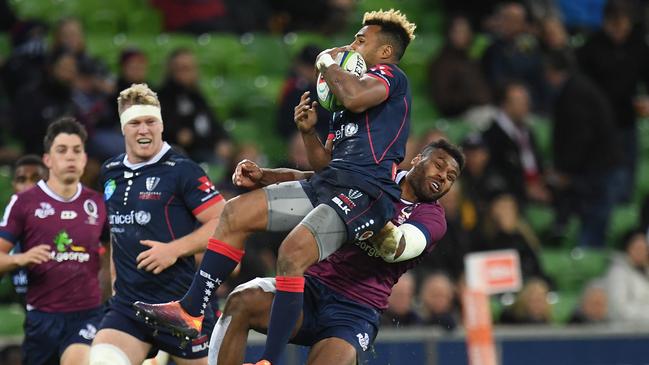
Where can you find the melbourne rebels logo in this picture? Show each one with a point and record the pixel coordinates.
(152, 182)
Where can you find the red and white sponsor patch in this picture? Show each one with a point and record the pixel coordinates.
(206, 185)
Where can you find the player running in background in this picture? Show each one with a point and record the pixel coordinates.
(349, 197)
(156, 198)
(346, 293)
(28, 170)
(59, 224)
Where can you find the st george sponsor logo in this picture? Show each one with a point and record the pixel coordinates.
(66, 250)
(368, 247)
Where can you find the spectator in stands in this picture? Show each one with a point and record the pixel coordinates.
(515, 53)
(477, 180)
(194, 16)
(531, 305)
(68, 35)
(25, 65)
(627, 280)
(401, 312)
(455, 79)
(504, 228)
(244, 151)
(107, 140)
(322, 16)
(296, 154)
(40, 104)
(302, 77)
(191, 123)
(512, 146)
(593, 307)
(586, 153)
(555, 39)
(437, 299)
(448, 255)
(616, 58)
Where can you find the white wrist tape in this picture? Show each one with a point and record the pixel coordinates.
(415, 243)
(324, 61)
(136, 111)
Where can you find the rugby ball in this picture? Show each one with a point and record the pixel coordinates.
(349, 61)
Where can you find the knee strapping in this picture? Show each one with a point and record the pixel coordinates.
(107, 354)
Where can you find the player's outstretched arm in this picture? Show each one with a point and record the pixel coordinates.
(319, 155)
(249, 175)
(161, 255)
(34, 256)
(355, 94)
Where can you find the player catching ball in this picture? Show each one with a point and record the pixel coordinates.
(351, 195)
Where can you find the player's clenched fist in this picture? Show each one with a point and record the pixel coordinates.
(247, 174)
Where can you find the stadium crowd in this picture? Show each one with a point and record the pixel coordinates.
(501, 65)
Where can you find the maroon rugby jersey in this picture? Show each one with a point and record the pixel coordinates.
(360, 274)
(73, 229)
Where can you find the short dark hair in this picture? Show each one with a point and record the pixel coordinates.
(67, 125)
(453, 150)
(501, 92)
(29, 160)
(394, 35)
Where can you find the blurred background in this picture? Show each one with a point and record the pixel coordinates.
(548, 98)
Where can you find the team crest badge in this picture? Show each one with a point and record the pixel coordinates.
(152, 182)
(363, 340)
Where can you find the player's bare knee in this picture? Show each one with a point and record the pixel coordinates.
(242, 304)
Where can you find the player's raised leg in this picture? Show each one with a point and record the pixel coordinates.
(275, 208)
(76, 354)
(113, 347)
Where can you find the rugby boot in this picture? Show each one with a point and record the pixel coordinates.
(170, 316)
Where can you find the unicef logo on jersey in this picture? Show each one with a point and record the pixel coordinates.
(109, 188)
(351, 129)
(140, 217)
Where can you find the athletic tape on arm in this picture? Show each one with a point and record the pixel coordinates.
(415, 243)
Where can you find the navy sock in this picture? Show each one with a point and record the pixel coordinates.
(218, 262)
(284, 314)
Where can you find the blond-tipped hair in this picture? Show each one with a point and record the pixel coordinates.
(395, 26)
(391, 16)
(137, 94)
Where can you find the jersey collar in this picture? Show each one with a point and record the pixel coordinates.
(46, 189)
(134, 166)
